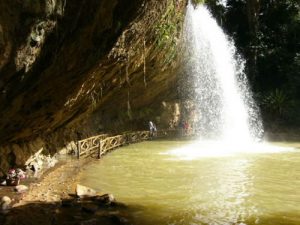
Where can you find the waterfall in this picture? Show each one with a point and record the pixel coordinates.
(224, 104)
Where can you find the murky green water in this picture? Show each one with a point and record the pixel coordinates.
(162, 186)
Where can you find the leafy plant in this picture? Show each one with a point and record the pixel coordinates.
(167, 32)
(196, 2)
(144, 113)
(277, 102)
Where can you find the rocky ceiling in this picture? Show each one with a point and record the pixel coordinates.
(63, 62)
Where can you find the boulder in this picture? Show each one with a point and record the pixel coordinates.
(33, 166)
(21, 188)
(5, 203)
(89, 208)
(5, 199)
(106, 199)
(33, 157)
(50, 161)
(67, 203)
(83, 191)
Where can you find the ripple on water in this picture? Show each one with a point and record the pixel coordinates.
(256, 188)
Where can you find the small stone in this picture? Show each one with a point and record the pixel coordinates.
(21, 188)
(83, 191)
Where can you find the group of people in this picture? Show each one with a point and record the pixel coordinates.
(185, 128)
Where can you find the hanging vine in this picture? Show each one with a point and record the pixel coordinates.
(129, 113)
(144, 60)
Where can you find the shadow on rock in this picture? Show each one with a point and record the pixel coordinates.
(75, 211)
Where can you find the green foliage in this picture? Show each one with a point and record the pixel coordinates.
(168, 30)
(144, 113)
(165, 33)
(269, 39)
(196, 2)
(277, 102)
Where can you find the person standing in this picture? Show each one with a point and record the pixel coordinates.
(152, 128)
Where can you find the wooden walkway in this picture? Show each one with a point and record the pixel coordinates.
(99, 145)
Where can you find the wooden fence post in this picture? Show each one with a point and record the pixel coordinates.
(99, 149)
(78, 149)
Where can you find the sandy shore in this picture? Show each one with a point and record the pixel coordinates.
(55, 185)
(51, 201)
(44, 195)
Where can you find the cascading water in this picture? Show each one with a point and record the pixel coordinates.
(225, 107)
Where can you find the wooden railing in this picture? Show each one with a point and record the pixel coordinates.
(89, 145)
(133, 137)
(111, 143)
(99, 145)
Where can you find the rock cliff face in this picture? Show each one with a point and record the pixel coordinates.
(69, 69)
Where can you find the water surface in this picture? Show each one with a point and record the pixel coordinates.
(161, 185)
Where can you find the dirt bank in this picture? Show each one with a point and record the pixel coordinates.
(43, 194)
(51, 200)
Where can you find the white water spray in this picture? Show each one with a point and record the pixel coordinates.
(226, 108)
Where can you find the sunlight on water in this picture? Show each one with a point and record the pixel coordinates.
(259, 188)
(202, 149)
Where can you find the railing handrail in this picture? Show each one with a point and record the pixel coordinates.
(94, 137)
(100, 142)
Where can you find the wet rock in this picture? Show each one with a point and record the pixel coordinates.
(68, 149)
(118, 220)
(39, 162)
(67, 203)
(21, 188)
(5, 199)
(89, 208)
(34, 157)
(33, 166)
(50, 161)
(90, 222)
(106, 199)
(5, 204)
(78, 217)
(83, 191)
(119, 205)
(3, 183)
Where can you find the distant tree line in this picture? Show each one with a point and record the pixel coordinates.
(267, 33)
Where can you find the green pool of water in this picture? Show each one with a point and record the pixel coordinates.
(162, 185)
